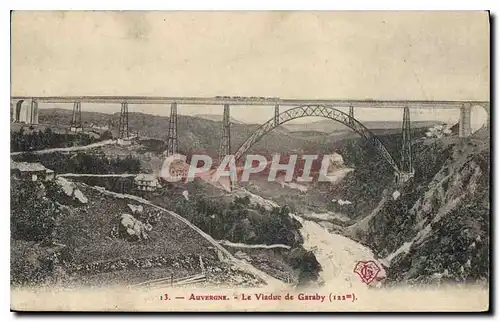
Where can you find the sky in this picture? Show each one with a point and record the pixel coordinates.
(327, 55)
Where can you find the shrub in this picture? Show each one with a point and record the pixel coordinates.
(106, 135)
(22, 141)
(84, 162)
(32, 214)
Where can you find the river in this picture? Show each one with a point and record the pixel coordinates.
(337, 254)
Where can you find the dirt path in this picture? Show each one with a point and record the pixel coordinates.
(241, 245)
(83, 175)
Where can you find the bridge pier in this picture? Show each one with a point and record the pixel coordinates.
(18, 111)
(172, 131)
(225, 145)
(488, 111)
(34, 112)
(465, 121)
(25, 110)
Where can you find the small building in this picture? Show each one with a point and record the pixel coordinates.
(146, 182)
(30, 171)
(76, 129)
(129, 140)
(49, 174)
(124, 141)
(99, 127)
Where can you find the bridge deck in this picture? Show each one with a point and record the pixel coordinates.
(250, 101)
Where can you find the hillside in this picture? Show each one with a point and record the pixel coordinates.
(72, 233)
(435, 229)
(196, 135)
(200, 135)
(81, 242)
(327, 126)
(438, 228)
(234, 219)
(62, 117)
(216, 118)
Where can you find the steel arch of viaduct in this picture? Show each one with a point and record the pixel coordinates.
(322, 111)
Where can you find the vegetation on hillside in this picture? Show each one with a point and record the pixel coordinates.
(23, 140)
(372, 173)
(442, 214)
(84, 162)
(239, 221)
(56, 241)
(33, 214)
(196, 135)
(445, 218)
(153, 145)
(33, 219)
(437, 230)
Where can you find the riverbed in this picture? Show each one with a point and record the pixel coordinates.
(337, 254)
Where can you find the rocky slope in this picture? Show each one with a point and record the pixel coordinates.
(81, 243)
(438, 228)
(435, 229)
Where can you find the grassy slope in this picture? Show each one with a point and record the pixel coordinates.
(94, 222)
(172, 249)
(85, 230)
(276, 263)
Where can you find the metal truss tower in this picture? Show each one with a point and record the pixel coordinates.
(76, 120)
(225, 145)
(276, 114)
(406, 165)
(123, 126)
(172, 131)
(351, 115)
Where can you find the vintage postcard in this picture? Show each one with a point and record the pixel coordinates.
(250, 161)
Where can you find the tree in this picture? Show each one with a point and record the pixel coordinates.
(106, 135)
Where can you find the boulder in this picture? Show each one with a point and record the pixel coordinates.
(132, 228)
(136, 209)
(71, 191)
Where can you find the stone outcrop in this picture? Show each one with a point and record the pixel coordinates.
(133, 229)
(71, 191)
